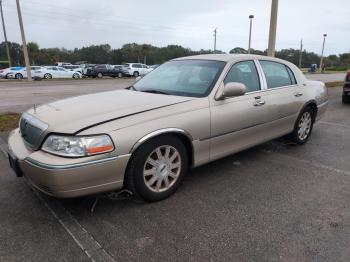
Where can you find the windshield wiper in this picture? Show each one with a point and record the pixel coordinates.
(155, 91)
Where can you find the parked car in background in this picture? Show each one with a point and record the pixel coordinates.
(135, 69)
(76, 68)
(62, 64)
(104, 70)
(4, 72)
(346, 89)
(60, 72)
(85, 67)
(188, 112)
(36, 72)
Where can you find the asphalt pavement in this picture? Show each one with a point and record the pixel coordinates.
(274, 202)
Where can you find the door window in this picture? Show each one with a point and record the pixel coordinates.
(246, 73)
(276, 74)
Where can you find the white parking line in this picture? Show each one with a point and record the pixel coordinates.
(86, 242)
(310, 162)
(90, 246)
(333, 123)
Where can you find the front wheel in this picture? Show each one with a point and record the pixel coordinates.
(136, 74)
(99, 75)
(47, 76)
(18, 76)
(76, 76)
(157, 168)
(120, 75)
(303, 126)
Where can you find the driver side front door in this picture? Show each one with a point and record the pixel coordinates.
(239, 122)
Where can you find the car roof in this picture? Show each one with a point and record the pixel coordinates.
(229, 57)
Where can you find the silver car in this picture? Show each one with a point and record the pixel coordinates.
(188, 112)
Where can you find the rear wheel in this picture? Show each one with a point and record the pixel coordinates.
(136, 74)
(76, 76)
(303, 126)
(120, 75)
(18, 76)
(47, 76)
(157, 168)
(99, 75)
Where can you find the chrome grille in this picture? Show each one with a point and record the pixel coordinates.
(31, 129)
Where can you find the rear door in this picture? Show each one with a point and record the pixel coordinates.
(283, 95)
(239, 122)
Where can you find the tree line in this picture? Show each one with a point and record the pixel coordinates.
(148, 54)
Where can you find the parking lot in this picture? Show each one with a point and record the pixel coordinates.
(274, 202)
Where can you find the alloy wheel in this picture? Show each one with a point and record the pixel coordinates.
(305, 124)
(162, 168)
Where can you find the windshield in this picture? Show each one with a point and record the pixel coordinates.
(184, 77)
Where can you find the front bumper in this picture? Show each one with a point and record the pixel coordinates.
(66, 177)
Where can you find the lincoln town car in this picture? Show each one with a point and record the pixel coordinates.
(187, 112)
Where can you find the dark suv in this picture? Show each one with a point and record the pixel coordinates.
(346, 89)
(104, 70)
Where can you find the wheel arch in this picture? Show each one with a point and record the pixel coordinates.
(313, 105)
(181, 134)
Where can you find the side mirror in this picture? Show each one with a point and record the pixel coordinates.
(230, 90)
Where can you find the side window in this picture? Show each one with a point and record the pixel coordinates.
(137, 66)
(276, 74)
(245, 73)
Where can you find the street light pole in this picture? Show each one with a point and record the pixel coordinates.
(215, 32)
(324, 41)
(301, 52)
(5, 36)
(273, 28)
(250, 32)
(24, 44)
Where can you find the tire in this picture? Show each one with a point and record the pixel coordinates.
(47, 76)
(99, 75)
(303, 126)
(76, 76)
(136, 74)
(152, 185)
(18, 76)
(120, 75)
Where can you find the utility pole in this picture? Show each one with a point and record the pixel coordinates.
(250, 32)
(215, 32)
(25, 50)
(324, 41)
(273, 28)
(5, 36)
(301, 52)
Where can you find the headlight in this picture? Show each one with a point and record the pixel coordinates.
(78, 146)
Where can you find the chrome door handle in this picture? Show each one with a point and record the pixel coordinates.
(259, 102)
(298, 94)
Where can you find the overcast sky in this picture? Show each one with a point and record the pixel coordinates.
(190, 23)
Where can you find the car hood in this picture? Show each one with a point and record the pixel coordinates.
(79, 113)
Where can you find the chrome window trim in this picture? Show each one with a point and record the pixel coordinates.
(70, 166)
